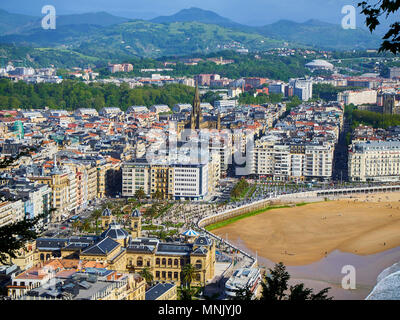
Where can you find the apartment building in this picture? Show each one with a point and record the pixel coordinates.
(391, 103)
(283, 162)
(11, 211)
(59, 183)
(302, 88)
(205, 79)
(174, 176)
(173, 180)
(394, 72)
(219, 104)
(214, 171)
(357, 97)
(319, 161)
(125, 67)
(190, 181)
(135, 176)
(35, 198)
(374, 161)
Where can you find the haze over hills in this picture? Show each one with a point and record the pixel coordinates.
(14, 22)
(188, 31)
(143, 38)
(320, 34)
(200, 15)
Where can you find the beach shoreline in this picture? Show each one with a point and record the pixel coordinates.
(315, 241)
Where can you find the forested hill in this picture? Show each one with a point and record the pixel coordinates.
(142, 38)
(193, 30)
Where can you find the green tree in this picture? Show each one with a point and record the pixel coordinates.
(147, 275)
(157, 195)
(244, 294)
(85, 225)
(276, 287)
(374, 12)
(299, 293)
(189, 273)
(162, 235)
(96, 214)
(77, 225)
(140, 194)
(187, 294)
(15, 235)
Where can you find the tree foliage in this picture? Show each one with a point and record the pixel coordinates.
(276, 287)
(243, 294)
(241, 186)
(262, 98)
(72, 94)
(374, 119)
(374, 11)
(188, 272)
(15, 235)
(147, 275)
(329, 92)
(140, 194)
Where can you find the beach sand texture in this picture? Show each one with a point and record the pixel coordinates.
(361, 225)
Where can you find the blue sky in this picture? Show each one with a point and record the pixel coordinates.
(251, 12)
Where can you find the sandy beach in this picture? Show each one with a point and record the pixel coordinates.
(316, 240)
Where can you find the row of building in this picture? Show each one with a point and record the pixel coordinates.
(107, 267)
(300, 146)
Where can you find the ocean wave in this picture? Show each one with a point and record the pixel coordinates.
(388, 284)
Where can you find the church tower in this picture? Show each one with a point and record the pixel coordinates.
(136, 224)
(106, 218)
(196, 117)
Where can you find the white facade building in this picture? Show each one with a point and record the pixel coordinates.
(302, 88)
(374, 161)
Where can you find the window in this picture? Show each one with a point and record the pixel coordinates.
(158, 261)
(139, 261)
(198, 264)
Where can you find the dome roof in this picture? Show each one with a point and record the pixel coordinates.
(319, 64)
(203, 241)
(190, 233)
(106, 212)
(136, 213)
(115, 232)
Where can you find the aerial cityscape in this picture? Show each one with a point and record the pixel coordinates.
(171, 152)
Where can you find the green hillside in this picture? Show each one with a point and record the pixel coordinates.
(142, 38)
(12, 22)
(320, 35)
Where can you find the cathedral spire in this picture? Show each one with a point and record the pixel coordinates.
(196, 95)
(196, 118)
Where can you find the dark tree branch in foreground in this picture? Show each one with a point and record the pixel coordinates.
(382, 9)
(276, 287)
(14, 236)
(9, 161)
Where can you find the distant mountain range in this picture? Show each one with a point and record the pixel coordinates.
(12, 23)
(188, 31)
